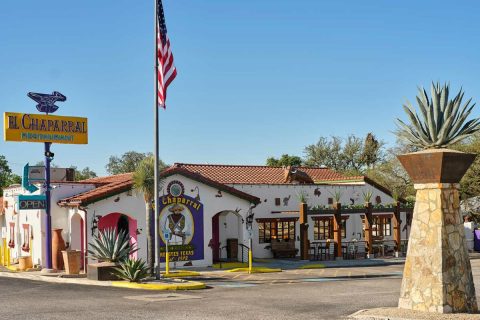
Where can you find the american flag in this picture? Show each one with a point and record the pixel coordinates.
(166, 70)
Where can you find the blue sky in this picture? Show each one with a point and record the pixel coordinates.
(255, 78)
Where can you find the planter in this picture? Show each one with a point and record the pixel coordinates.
(25, 263)
(58, 245)
(103, 271)
(72, 260)
(436, 165)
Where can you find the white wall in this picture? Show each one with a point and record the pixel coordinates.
(317, 195)
(35, 218)
(130, 204)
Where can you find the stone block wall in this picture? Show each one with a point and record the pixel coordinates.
(437, 275)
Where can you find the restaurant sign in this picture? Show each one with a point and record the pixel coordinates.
(26, 127)
(181, 220)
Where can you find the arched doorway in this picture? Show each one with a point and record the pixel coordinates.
(77, 236)
(227, 236)
(120, 222)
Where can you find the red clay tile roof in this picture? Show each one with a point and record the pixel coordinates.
(109, 186)
(243, 174)
(109, 179)
(106, 187)
(200, 178)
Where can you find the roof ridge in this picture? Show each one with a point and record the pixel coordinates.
(180, 164)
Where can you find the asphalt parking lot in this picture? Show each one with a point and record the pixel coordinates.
(295, 294)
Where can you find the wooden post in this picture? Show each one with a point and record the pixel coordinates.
(397, 229)
(368, 228)
(303, 232)
(337, 229)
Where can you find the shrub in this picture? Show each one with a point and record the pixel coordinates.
(111, 247)
(132, 270)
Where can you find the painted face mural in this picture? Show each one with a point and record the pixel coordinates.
(181, 225)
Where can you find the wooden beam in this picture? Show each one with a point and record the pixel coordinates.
(304, 232)
(337, 229)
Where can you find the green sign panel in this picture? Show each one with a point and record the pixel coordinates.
(36, 202)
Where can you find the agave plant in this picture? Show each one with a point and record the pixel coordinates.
(337, 195)
(111, 247)
(302, 196)
(443, 120)
(132, 270)
(367, 195)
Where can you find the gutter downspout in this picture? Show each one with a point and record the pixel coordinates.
(85, 242)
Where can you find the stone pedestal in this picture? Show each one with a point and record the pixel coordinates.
(437, 275)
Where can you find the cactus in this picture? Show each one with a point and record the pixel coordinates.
(443, 120)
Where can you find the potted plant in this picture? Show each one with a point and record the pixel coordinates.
(109, 248)
(437, 275)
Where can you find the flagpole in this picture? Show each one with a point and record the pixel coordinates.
(156, 175)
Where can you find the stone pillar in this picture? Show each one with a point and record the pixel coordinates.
(368, 229)
(397, 235)
(303, 232)
(337, 230)
(437, 275)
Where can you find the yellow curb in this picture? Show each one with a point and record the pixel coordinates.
(312, 266)
(12, 268)
(256, 270)
(230, 265)
(190, 285)
(181, 274)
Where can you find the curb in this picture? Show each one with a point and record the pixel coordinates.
(255, 270)
(181, 274)
(187, 285)
(190, 285)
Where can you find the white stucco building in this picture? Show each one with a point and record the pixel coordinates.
(204, 210)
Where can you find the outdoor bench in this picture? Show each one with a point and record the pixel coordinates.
(283, 249)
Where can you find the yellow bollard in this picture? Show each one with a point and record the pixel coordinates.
(31, 250)
(8, 257)
(167, 263)
(250, 261)
(4, 252)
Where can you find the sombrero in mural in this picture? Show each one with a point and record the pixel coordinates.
(176, 208)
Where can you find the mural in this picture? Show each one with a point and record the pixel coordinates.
(181, 224)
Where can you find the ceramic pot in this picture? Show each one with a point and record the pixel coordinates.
(58, 245)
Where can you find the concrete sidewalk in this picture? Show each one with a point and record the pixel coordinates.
(163, 284)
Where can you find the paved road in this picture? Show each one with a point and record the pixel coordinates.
(287, 296)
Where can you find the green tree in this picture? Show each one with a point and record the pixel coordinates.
(5, 173)
(371, 151)
(127, 162)
(284, 161)
(470, 183)
(144, 183)
(84, 174)
(349, 156)
(6, 176)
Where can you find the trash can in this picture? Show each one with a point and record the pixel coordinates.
(476, 240)
(72, 261)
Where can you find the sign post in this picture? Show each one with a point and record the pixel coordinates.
(249, 225)
(46, 129)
